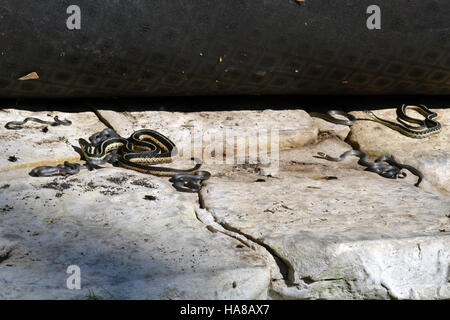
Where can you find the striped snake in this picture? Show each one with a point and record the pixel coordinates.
(424, 128)
(140, 152)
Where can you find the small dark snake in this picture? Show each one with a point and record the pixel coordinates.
(391, 170)
(329, 117)
(70, 168)
(65, 169)
(189, 182)
(182, 182)
(16, 125)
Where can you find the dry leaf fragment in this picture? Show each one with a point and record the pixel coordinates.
(212, 229)
(30, 76)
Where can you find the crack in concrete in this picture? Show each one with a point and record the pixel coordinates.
(5, 256)
(420, 251)
(102, 119)
(284, 266)
(205, 217)
(309, 280)
(201, 200)
(279, 269)
(323, 135)
(388, 291)
(285, 269)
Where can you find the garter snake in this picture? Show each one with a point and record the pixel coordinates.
(425, 127)
(140, 152)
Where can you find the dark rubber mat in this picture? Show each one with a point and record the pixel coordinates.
(167, 47)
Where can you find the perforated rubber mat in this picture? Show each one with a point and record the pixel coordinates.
(197, 47)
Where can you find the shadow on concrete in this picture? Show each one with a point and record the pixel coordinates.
(308, 103)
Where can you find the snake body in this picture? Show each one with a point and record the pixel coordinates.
(329, 117)
(391, 170)
(140, 152)
(16, 125)
(425, 127)
(68, 168)
(189, 182)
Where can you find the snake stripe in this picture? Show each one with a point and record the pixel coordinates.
(139, 152)
(427, 127)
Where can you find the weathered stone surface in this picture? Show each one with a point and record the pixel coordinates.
(32, 147)
(308, 155)
(304, 228)
(353, 236)
(132, 235)
(326, 127)
(295, 127)
(296, 159)
(430, 155)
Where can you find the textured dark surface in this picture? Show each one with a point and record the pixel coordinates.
(148, 47)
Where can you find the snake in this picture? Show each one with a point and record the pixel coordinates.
(425, 127)
(65, 169)
(16, 125)
(329, 117)
(140, 152)
(392, 169)
(68, 168)
(189, 182)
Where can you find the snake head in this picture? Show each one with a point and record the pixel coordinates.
(401, 175)
(387, 171)
(368, 112)
(83, 143)
(86, 147)
(321, 155)
(98, 137)
(393, 173)
(57, 122)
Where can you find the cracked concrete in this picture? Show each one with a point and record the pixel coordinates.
(320, 240)
(297, 232)
(135, 248)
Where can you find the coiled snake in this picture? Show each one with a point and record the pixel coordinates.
(425, 127)
(391, 170)
(140, 152)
